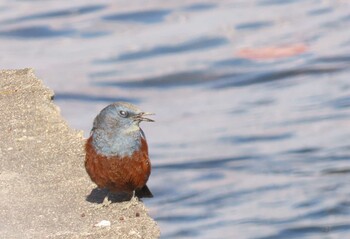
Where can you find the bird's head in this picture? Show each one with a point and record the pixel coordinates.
(122, 117)
(116, 129)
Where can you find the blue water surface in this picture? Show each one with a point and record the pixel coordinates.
(243, 146)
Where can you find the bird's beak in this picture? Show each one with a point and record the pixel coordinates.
(141, 117)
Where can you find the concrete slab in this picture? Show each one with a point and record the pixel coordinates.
(43, 183)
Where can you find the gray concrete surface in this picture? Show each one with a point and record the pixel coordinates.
(43, 183)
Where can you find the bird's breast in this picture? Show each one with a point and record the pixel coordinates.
(118, 173)
(120, 144)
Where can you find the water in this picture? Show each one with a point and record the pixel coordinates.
(247, 144)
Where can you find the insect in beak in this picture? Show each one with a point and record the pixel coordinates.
(141, 117)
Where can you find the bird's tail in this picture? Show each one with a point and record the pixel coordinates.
(144, 192)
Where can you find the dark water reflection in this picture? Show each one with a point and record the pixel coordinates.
(35, 32)
(192, 45)
(245, 146)
(147, 17)
(92, 98)
(75, 11)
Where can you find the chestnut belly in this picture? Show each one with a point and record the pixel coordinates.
(118, 174)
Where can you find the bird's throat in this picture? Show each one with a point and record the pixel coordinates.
(122, 144)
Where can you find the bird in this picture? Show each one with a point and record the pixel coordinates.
(117, 152)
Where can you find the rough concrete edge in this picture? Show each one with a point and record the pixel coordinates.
(48, 95)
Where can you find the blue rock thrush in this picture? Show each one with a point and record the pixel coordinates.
(117, 151)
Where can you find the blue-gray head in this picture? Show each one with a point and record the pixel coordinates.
(116, 130)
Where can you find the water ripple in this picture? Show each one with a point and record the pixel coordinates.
(254, 25)
(256, 138)
(146, 16)
(276, 2)
(263, 77)
(177, 79)
(36, 32)
(87, 97)
(193, 45)
(202, 164)
(183, 218)
(297, 232)
(320, 11)
(303, 150)
(341, 102)
(199, 7)
(336, 171)
(76, 11)
(218, 80)
(333, 59)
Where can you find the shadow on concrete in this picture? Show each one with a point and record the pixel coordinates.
(97, 195)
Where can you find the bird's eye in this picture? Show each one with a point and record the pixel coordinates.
(123, 113)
